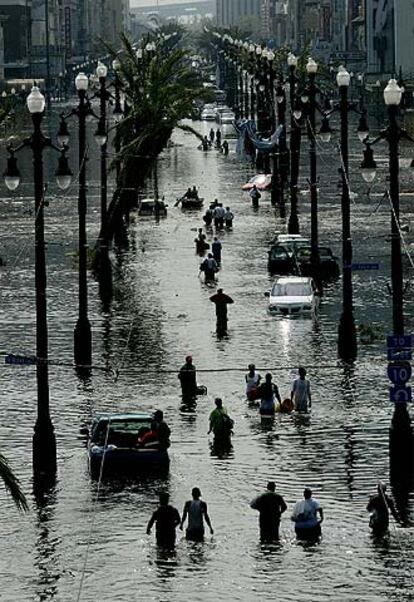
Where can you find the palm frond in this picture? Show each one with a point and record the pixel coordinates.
(11, 482)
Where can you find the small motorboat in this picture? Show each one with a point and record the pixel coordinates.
(191, 203)
(113, 446)
(261, 181)
(152, 207)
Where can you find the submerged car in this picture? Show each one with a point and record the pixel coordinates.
(227, 117)
(208, 114)
(281, 260)
(149, 207)
(328, 263)
(293, 296)
(113, 445)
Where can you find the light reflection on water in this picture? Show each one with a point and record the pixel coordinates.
(161, 312)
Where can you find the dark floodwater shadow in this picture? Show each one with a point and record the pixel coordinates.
(46, 558)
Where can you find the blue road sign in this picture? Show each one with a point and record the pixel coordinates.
(399, 341)
(359, 267)
(400, 394)
(399, 374)
(19, 360)
(399, 355)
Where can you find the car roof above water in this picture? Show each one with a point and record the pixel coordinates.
(292, 279)
(138, 417)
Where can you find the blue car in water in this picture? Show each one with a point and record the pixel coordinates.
(113, 446)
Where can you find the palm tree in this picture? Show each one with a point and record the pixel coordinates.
(12, 484)
(160, 90)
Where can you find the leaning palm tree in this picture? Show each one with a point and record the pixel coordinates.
(12, 484)
(160, 90)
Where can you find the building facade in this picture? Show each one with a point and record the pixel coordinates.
(230, 12)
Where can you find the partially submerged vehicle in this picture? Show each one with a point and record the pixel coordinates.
(113, 446)
(152, 207)
(293, 296)
(328, 263)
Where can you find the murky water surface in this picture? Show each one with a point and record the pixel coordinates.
(160, 312)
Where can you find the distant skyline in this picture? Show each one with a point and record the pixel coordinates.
(144, 3)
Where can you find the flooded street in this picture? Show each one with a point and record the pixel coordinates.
(85, 545)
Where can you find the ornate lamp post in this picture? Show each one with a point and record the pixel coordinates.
(401, 433)
(82, 334)
(295, 140)
(347, 340)
(44, 442)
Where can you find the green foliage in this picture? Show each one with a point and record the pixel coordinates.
(12, 484)
(160, 90)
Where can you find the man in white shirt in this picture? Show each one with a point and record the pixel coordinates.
(305, 516)
(301, 395)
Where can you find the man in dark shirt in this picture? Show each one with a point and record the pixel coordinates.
(188, 379)
(221, 301)
(271, 506)
(166, 519)
(163, 430)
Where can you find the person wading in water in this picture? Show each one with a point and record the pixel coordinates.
(196, 510)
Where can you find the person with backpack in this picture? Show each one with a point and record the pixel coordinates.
(209, 267)
(228, 218)
(196, 510)
(255, 196)
(221, 424)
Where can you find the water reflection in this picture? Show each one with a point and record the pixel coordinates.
(47, 557)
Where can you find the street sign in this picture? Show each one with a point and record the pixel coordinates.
(399, 355)
(399, 374)
(400, 394)
(359, 267)
(20, 360)
(399, 341)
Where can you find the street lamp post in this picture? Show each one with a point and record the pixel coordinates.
(82, 334)
(347, 341)
(295, 140)
(44, 442)
(101, 138)
(401, 433)
(117, 112)
(312, 68)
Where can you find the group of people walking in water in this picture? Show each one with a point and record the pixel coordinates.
(265, 392)
(214, 139)
(307, 516)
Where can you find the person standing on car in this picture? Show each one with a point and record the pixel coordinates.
(166, 519)
(196, 510)
(271, 506)
(301, 395)
(163, 430)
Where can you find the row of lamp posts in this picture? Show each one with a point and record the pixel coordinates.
(44, 443)
(401, 435)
